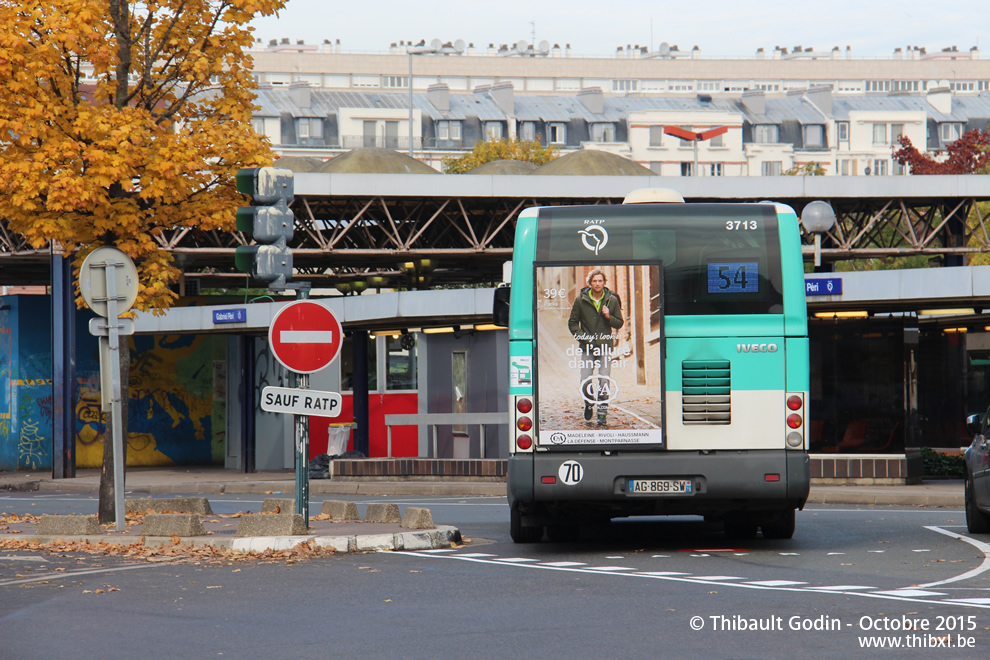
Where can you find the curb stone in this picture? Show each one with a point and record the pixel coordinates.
(441, 537)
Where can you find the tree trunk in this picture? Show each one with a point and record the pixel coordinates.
(107, 513)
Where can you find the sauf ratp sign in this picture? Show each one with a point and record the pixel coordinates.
(305, 337)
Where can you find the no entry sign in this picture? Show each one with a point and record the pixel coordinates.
(305, 337)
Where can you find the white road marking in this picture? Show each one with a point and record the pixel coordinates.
(61, 576)
(564, 564)
(23, 558)
(715, 578)
(609, 568)
(847, 589)
(841, 587)
(980, 545)
(909, 593)
(662, 573)
(776, 583)
(515, 560)
(477, 554)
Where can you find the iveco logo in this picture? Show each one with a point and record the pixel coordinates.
(594, 237)
(756, 348)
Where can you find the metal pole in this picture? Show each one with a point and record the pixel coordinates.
(302, 443)
(302, 455)
(113, 339)
(409, 54)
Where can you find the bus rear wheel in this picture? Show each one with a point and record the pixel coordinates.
(779, 525)
(521, 533)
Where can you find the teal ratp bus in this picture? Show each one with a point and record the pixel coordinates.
(658, 365)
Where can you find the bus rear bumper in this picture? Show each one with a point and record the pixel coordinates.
(720, 481)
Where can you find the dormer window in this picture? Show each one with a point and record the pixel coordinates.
(766, 133)
(814, 136)
(951, 132)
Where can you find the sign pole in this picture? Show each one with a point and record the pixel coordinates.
(116, 418)
(302, 446)
(302, 455)
(110, 294)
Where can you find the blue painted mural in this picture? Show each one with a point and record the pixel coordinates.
(175, 409)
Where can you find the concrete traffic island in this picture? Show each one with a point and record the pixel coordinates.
(338, 528)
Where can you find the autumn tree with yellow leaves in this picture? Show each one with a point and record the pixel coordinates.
(123, 119)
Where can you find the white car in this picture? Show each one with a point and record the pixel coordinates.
(978, 475)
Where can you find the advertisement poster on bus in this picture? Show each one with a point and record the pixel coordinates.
(599, 354)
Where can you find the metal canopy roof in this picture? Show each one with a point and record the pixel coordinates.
(349, 226)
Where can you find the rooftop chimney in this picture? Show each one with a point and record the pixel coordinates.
(592, 99)
(503, 95)
(439, 95)
(755, 102)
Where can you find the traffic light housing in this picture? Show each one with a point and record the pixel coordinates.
(269, 220)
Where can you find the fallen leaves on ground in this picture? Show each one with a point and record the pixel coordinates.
(176, 551)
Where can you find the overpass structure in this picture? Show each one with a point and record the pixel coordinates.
(421, 230)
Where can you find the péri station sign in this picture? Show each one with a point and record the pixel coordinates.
(305, 337)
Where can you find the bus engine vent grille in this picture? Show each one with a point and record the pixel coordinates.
(706, 392)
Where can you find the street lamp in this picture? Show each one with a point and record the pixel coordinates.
(818, 217)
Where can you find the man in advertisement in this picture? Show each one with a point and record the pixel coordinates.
(596, 312)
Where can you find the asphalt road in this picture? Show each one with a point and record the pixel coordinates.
(665, 588)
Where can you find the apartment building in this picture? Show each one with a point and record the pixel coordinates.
(766, 134)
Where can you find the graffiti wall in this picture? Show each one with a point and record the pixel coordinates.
(172, 416)
(175, 409)
(25, 380)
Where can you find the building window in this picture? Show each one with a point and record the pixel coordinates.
(493, 130)
(395, 82)
(459, 380)
(656, 166)
(400, 362)
(309, 127)
(687, 169)
(717, 141)
(449, 130)
(370, 133)
(347, 364)
(624, 85)
(709, 86)
(842, 128)
(880, 167)
(258, 124)
(896, 130)
(771, 168)
(558, 133)
(603, 132)
(656, 136)
(687, 143)
(880, 134)
(951, 132)
(527, 132)
(765, 133)
(814, 136)
(717, 169)
(391, 135)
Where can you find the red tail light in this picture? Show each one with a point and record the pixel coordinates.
(794, 402)
(524, 405)
(794, 421)
(524, 423)
(524, 442)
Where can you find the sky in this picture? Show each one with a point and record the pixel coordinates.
(873, 28)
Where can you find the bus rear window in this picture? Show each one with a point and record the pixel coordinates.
(718, 258)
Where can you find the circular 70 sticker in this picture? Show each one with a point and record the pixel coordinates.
(570, 473)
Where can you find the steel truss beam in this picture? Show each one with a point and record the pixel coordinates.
(340, 238)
